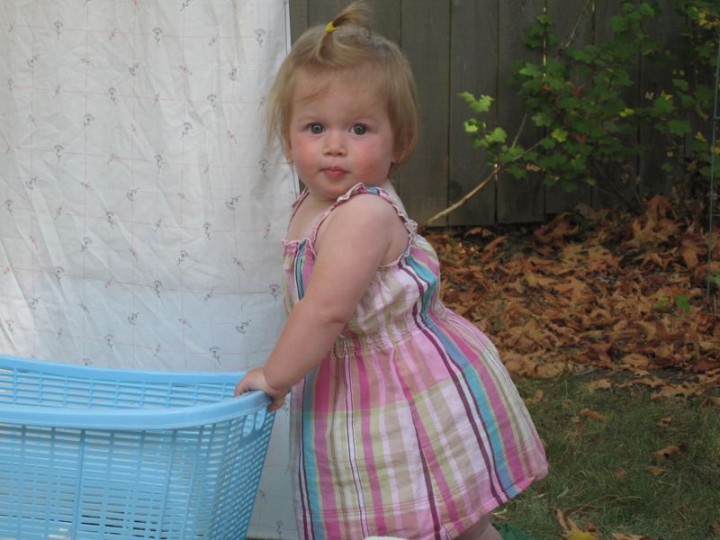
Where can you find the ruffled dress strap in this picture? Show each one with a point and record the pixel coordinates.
(359, 189)
(297, 203)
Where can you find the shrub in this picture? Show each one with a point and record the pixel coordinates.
(584, 99)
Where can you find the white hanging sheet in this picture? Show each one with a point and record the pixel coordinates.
(141, 211)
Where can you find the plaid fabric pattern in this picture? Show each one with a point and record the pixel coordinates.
(411, 427)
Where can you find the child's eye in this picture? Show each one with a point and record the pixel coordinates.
(359, 129)
(315, 128)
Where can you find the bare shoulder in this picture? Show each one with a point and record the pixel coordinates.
(368, 219)
(368, 208)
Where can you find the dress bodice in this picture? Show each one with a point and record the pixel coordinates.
(400, 292)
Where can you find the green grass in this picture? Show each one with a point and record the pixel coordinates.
(599, 464)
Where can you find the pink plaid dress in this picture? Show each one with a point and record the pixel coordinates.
(411, 426)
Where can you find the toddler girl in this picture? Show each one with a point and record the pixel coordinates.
(404, 421)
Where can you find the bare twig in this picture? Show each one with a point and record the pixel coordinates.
(467, 196)
(496, 171)
(572, 35)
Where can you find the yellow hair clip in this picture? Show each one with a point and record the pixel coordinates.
(330, 27)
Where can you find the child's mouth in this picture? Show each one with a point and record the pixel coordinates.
(334, 172)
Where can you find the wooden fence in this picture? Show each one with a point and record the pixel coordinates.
(470, 45)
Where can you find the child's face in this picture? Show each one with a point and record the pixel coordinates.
(340, 136)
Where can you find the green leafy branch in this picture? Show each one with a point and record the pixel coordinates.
(581, 99)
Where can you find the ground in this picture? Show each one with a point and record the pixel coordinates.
(634, 295)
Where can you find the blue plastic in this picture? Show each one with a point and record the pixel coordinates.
(93, 453)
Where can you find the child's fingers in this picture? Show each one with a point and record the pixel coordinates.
(240, 388)
(276, 404)
(245, 384)
(255, 380)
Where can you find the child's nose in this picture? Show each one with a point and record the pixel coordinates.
(334, 143)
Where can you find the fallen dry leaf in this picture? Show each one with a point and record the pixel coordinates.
(570, 530)
(593, 415)
(655, 471)
(600, 384)
(537, 397)
(706, 364)
(711, 401)
(663, 454)
(635, 360)
(582, 535)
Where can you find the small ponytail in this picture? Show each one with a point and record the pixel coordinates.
(355, 17)
(356, 13)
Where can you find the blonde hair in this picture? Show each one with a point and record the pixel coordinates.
(347, 46)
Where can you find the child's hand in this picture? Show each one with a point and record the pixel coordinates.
(255, 380)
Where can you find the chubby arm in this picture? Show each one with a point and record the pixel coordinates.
(358, 237)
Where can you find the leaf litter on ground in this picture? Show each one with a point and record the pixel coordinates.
(624, 294)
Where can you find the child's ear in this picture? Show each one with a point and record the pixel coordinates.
(399, 155)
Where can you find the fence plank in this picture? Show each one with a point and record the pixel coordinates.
(574, 27)
(298, 10)
(610, 190)
(324, 11)
(387, 18)
(518, 201)
(473, 68)
(654, 79)
(422, 182)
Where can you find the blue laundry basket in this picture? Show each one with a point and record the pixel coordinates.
(94, 453)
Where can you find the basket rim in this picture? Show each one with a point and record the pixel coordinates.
(145, 418)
